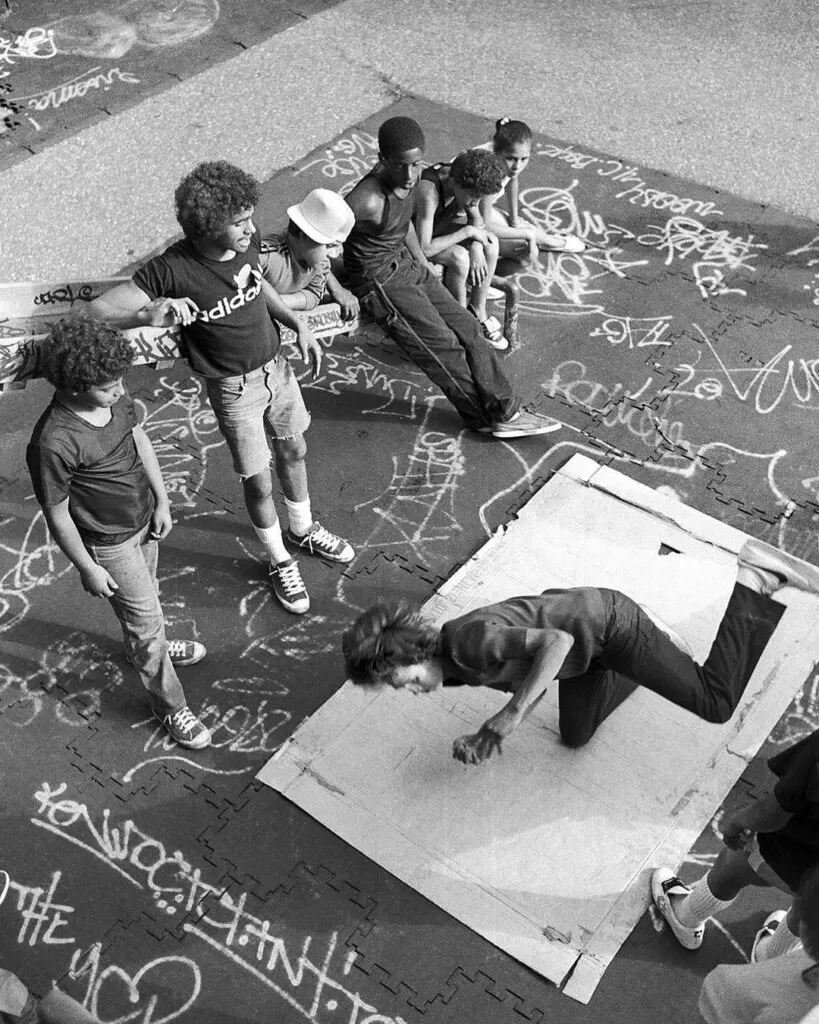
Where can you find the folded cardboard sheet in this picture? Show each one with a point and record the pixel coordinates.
(547, 851)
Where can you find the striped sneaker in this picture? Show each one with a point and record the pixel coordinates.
(321, 542)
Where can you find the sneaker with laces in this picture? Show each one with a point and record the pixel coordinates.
(524, 423)
(320, 541)
(184, 727)
(288, 586)
(492, 330)
(664, 885)
(186, 652)
(765, 932)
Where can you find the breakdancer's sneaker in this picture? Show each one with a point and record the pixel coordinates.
(765, 933)
(524, 423)
(778, 569)
(664, 885)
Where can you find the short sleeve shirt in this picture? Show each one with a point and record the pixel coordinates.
(233, 332)
(97, 468)
(794, 848)
(287, 275)
(487, 646)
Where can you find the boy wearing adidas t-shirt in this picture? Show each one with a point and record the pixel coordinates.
(212, 284)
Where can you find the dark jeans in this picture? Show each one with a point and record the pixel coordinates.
(636, 653)
(441, 338)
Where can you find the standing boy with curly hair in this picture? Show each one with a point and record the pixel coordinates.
(452, 233)
(98, 481)
(212, 284)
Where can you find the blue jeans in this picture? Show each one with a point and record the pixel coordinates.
(132, 565)
(253, 405)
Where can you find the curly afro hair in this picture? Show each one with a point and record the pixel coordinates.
(385, 636)
(82, 353)
(478, 172)
(213, 193)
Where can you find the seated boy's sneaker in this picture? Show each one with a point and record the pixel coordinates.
(765, 932)
(186, 729)
(664, 885)
(321, 542)
(525, 423)
(288, 586)
(564, 243)
(186, 652)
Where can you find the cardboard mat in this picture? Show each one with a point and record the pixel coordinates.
(547, 851)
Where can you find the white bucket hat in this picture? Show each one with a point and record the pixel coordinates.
(323, 216)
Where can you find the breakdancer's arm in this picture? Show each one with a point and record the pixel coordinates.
(548, 648)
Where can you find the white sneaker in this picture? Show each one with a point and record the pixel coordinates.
(790, 571)
(764, 933)
(525, 423)
(664, 885)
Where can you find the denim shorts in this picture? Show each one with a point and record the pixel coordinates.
(252, 406)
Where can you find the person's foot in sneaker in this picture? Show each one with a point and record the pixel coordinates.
(186, 652)
(288, 586)
(184, 727)
(525, 423)
(763, 936)
(665, 888)
(492, 330)
(319, 541)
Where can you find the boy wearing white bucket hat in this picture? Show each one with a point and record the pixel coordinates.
(298, 260)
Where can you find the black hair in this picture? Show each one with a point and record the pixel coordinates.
(478, 171)
(509, 133)
(398, 135)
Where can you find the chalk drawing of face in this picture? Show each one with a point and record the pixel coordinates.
(100, 35)
(242, 279)
(170, 22)
(151, 23)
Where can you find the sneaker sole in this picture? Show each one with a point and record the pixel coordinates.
(527, 433)
(794, 571)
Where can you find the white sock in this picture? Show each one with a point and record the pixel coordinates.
(781, 942)
(271, 537)
(299, 515)
(698, 905)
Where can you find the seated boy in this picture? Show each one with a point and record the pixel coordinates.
(212, 284)
(98, 481)
(452, 233)
(298, 261)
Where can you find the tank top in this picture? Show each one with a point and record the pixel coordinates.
(365, 254)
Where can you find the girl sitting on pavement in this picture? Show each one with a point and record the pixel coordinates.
(520, 237)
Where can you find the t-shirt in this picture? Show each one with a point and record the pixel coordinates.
(287, 275)
(769, 992)
(233, 332)
(794, 848)
(487, 646)
(98, 469)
